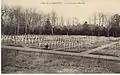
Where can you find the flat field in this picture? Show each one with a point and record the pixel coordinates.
(32, 62)
(14, 61)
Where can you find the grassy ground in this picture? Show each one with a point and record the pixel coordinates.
(110, 51)
(31, 62)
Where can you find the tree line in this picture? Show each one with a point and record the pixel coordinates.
(21, 21)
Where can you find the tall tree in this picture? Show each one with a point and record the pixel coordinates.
(47, 27)
(115, 22)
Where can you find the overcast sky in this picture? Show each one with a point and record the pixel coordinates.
(81, 11)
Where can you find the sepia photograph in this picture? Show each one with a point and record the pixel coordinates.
(60, 36)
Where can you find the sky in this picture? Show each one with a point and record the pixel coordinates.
(81, 11)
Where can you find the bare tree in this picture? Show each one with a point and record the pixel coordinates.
(62, 21)
(4, 17)
(95, 19)
(17, 14)
(53, 20)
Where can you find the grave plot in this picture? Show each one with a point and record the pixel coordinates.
(25, 60)
(83, 45)
(61, 43)
(109, 51)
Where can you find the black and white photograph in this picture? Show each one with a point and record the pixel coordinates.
(60, 36)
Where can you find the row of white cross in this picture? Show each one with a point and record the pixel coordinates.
(53, 41)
